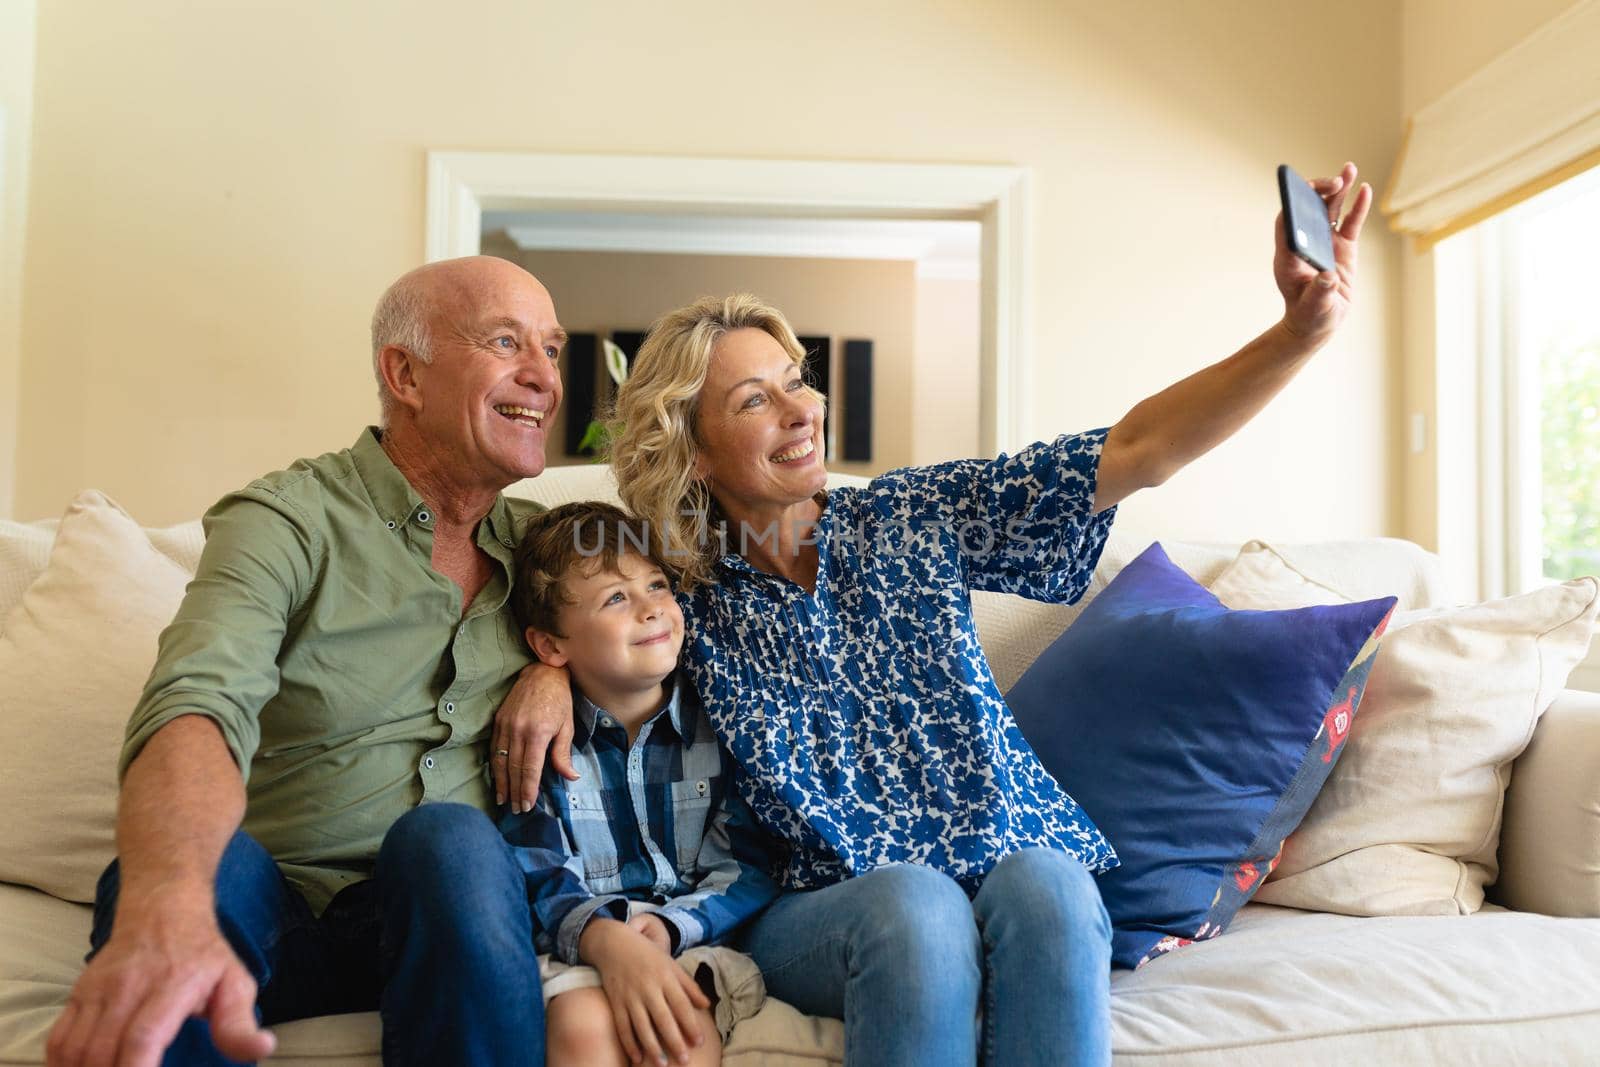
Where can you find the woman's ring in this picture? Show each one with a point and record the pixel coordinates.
(502, 753)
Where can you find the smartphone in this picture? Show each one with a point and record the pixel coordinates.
(1305, 219)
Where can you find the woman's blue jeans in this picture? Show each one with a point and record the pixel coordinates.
(906, 959)
(440, 941)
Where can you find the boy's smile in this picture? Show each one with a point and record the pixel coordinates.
(621, 632)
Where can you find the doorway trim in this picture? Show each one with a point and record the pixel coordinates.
(461, 186)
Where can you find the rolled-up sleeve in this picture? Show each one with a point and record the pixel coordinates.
(219, 656)
(1041, 505)
(1023, 523)
(553, 872)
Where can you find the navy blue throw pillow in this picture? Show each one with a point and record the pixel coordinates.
(1195, 737)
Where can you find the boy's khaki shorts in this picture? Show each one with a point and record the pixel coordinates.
(730, 979)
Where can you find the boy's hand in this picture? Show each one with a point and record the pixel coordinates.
(654, 928)
(536, 715)
(653, 1001)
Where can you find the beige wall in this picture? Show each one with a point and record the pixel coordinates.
(838, 298)
(221, 191)
(1446, 42)
(16, 115)
(944, 392)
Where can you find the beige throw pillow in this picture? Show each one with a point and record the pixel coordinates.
(24, 550)
(74, 655)
(1409, 821)
(1261, 578)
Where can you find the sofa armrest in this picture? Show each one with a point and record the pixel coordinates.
(1550, 836)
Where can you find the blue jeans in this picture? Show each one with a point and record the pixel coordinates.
(439, 941)
(906, 960)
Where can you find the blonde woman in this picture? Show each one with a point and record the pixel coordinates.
(934, 868)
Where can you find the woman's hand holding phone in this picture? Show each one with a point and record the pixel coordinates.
(1316, 301)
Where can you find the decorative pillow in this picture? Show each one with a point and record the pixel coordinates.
(1195, 737)
(24, 550)
(1260, 578)
(1409, 822)
(74, 655)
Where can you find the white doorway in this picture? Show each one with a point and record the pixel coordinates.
(887, 310)
(462, 186)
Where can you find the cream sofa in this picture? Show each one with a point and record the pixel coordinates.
(1502, 986)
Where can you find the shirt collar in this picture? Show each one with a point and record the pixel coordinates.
(393, 497)
(397, 502)
(501, 529)
(681, 711)
(736, 565)
(732, 560)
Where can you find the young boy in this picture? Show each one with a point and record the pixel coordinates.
(650, 854)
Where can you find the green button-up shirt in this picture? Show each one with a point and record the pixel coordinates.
(336, 660)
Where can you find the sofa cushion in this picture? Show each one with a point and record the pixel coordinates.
(24, 550)
(1312, 990)
(43, 941)
(1495, 987)
(74, 654)
(1195, 737)
(1409, 822)
(563, 485)
(1550, 836)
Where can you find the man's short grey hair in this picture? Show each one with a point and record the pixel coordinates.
(400, 319)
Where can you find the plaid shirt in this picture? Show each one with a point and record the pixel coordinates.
(656, 828)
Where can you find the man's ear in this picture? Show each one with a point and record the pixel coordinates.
(399, 370)
(546, 646)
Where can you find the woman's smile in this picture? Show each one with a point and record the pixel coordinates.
(760, 426)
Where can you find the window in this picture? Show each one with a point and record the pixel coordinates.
(1519, 374)
(1551, 248)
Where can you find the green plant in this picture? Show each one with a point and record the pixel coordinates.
(1570, 458)
(595, 437)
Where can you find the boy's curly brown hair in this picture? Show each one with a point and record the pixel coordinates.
(589, 534)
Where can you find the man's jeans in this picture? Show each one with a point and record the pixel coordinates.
(440, 941)
(906, 959)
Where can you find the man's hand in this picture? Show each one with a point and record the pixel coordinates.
(536, 716)
(1316, 303)
(653, 1001)
(157, 970)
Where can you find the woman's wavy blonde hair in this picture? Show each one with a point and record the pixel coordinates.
(652, 426)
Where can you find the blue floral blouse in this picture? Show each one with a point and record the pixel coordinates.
(865, 712)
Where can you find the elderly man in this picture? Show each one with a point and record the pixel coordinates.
(335, 667)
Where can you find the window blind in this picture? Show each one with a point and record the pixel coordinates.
(1528, 120)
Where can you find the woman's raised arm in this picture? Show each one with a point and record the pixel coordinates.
(1171, 429)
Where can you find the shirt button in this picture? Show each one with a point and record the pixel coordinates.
(506, 541)
(607, 722)
(428, 763)
(423, 516)
(449, 708)
(392, 524)
(700, 787)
